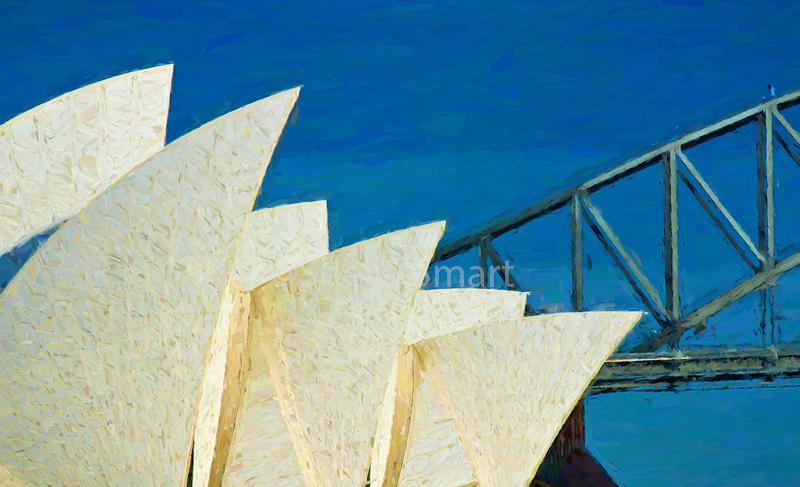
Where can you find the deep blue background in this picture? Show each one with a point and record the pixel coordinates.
(466, 110)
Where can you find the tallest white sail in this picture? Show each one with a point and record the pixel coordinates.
(58, 156)
(103, 332)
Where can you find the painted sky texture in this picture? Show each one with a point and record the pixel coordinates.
(468, 110)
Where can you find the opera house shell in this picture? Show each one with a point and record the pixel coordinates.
(167, 328)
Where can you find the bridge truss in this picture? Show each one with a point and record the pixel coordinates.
(644, 368)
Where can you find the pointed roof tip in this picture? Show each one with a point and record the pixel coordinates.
(296, 89)
(155, 69)
(435, 228)
(291, 93)
(302, 204)
(167, 67)
(438, 227)
(161, 68)
(289, 96)
(474, 290)
(628, 319)
(626, 314)
(439, 312)
(288, 93)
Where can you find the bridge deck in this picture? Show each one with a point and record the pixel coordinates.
(659, 371)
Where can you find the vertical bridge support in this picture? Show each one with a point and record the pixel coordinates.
(766, 222)
(673, 306)
(568, 463)
(576, 232)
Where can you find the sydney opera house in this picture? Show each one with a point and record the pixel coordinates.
(167, 331)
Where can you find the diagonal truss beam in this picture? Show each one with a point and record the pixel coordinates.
(499, 266)
(766, 267)
(698, 194)
(786, 147)
(697, 318)
(712, 196)
(483, 263)
(779, 117)
(623, 260)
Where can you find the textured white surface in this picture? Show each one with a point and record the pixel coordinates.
(442, 311)
(273, 241)
(221, 386)
(261, 453)
(8, 480)
(434, 456)
(58, 156)
(331, 329)
(103, 332)
(276, 240)
(510, 385)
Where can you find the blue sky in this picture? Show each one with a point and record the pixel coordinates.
(466, 110)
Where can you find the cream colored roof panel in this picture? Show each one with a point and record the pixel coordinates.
(261, 453)
(8, 480)
(433, 454)
(277, 240)
(332, 328)
(511, 385)
(223, 380)
(57, 157)
(442, 311)
(273, 241)
(103, 332)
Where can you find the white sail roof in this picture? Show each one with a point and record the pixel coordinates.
(261, 453)
(277, 240)
(331, 328)
(103, 332)
(57, 157)
(510, 385)
(416, 442)
(273, 241)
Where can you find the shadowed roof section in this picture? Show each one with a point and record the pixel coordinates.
(261, 453)
(434, 456)
(57, 157)
(104, 330)
(331, 328)
(510, 385)
(273, 241)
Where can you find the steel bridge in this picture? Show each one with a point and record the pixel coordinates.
(658, 362)
(645, 366)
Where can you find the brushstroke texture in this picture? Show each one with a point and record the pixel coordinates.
(273, 241)
(57, 157)
(332, 327)
(103, 332)
(511, 385)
